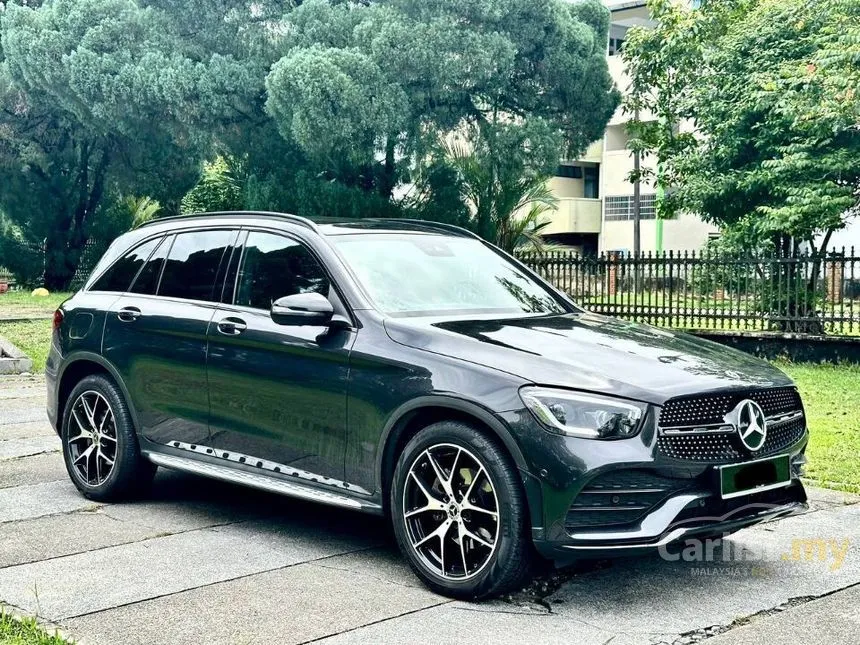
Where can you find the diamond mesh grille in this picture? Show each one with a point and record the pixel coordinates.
(726, 446)
(712, 408)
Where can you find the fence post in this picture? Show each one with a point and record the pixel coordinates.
(612, 272)
(719, 283)
(835, 275)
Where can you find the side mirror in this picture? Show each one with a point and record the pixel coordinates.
(302, 309)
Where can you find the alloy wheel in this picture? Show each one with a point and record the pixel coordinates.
(451, 511)
(92, 439)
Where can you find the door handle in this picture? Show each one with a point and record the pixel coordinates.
(128, 314)
(232, 326)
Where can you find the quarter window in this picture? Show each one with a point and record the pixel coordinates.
(192, 265)
(274, 266)
(147, 280)
(119, 276)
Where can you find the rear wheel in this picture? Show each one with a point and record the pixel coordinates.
(100, 445)
(459, 513)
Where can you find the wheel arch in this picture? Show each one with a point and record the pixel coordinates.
(79, 366)
(418, 413)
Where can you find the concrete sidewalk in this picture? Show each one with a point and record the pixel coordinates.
(200, 561)
(831, 619)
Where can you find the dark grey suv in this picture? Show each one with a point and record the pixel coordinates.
(410, 369)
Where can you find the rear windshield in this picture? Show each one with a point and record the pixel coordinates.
(416, 274)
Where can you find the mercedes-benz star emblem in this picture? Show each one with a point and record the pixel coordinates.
(751, 424)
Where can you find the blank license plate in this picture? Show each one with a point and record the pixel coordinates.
(755, 476)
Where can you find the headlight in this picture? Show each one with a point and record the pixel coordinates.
(584, 415)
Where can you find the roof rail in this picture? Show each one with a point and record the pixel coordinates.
(438, 225)
(295, 219)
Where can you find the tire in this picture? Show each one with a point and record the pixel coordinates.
(114, 469)
(480, 557)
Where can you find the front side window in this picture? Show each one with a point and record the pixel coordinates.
(274, 266)
(192, 265)
(119, 276)
(416, 274)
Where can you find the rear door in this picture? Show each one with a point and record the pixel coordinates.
(155, 334)
(278, 392)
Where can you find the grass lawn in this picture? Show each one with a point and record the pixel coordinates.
(830, 394)
(20, 304)
(25, 632)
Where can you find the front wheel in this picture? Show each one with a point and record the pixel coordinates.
(459, 513)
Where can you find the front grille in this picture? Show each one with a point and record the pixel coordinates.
(710, 409)
(719, 447)
(621, 497)
(694, 428)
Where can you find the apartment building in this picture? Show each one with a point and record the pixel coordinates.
(595, 209)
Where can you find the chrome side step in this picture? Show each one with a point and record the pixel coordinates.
(266, 465)
(262, 482)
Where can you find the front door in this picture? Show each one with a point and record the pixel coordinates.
(155, 335)
(278, 392)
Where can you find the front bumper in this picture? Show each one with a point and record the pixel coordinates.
(637, 498)
(695, 515)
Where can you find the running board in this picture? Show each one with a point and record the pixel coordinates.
(262, 482)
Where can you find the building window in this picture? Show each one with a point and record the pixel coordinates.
(620, 207)
(591, 182)
(570, 172)
(615, 46)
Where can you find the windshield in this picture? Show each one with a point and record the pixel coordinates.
(418, 274)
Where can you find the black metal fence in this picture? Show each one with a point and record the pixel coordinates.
(708, 290)
(90, 255)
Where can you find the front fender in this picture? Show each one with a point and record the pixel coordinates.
(398, 420)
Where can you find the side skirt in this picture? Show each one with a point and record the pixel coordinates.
(239, 472)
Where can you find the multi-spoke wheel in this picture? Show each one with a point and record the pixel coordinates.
(100, 446)
(459, 512)
(92, 438)
(451, 511)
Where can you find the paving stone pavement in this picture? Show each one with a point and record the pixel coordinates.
(204, 562)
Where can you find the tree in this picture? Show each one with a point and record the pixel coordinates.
(219, 189)
(98, 97)
(366, 90)
(330, 105)
(504, 203)
(768, 88)
(774, 143)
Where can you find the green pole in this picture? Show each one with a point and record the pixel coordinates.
(658, 224)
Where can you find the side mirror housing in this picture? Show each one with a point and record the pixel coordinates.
(311, 309)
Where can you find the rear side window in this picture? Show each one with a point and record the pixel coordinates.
(147, 280)
(192, 265)
(119, 276)
(274, 266)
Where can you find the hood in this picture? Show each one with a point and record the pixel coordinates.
(590, 352)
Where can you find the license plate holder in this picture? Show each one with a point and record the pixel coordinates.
(754, 476)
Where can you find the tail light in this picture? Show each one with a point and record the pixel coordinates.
(58, 319)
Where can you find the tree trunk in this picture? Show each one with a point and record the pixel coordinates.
(389, 175)
(65, 244)
(58, 269)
